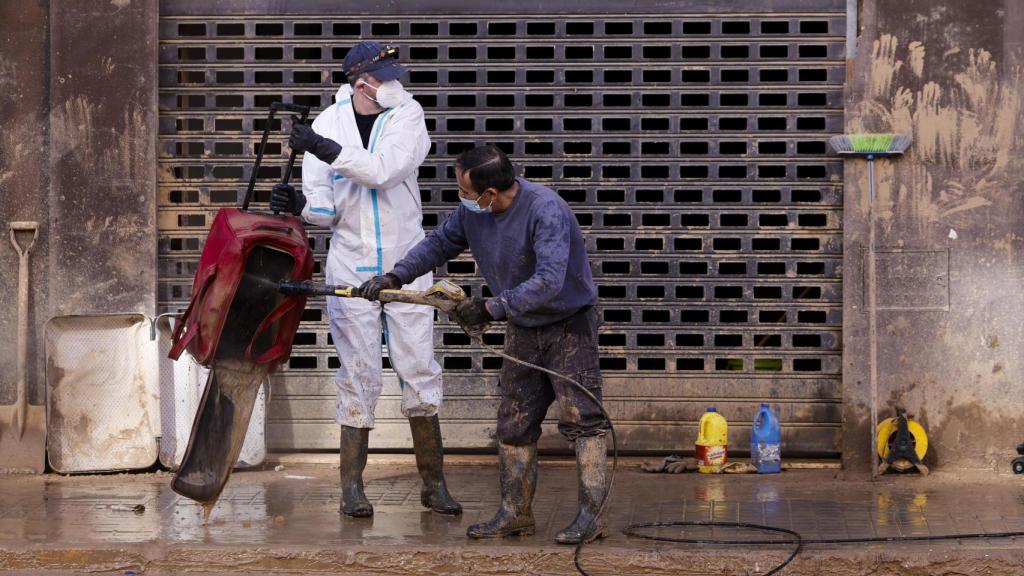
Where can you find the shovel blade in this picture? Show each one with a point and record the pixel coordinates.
(22, 443)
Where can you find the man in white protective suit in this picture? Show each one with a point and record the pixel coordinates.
(359, 179)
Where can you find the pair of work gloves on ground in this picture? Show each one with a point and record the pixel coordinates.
(677, 464)
(471, 313)
(285, 198)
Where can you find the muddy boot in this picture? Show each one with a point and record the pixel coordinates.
(591, 465)
(426, 442)
(517, 472)
(354, 443)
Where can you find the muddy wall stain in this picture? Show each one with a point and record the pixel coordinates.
(103, 156)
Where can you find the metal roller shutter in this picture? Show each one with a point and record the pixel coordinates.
(691, 145)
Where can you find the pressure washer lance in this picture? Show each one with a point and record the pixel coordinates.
(445, 296)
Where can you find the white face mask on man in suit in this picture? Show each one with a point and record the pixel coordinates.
(388, 95)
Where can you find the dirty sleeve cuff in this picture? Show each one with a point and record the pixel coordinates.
(399, 272)
(496, 308)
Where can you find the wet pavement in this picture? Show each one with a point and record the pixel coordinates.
(287, 521)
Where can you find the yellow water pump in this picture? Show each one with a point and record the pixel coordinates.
(902, 443)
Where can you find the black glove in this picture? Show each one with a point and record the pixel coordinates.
(372, 287)
(472, 313)
(285, 198)
(304, 139)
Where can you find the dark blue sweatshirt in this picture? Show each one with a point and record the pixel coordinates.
(532, 256)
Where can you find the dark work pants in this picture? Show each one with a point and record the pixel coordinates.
(568, 347)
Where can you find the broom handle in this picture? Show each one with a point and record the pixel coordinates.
(872, 315)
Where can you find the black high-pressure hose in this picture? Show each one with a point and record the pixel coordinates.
(634, 530)
(797, 541)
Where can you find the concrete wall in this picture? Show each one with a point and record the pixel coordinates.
(950, 248)
(78, 103)
(103, 130)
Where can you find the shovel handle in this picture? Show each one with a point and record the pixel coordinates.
(16, 227)
(23, 272)
(404, 296)
(308, 288)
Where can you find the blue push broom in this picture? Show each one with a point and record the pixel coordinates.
(869, 147)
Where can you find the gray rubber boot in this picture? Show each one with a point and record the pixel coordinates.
(426, 442)
(592, 467)
(354, 444)
(517, 472)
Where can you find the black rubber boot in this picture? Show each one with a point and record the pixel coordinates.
(517, 472)
(592, 467)
(426, 442)
(354, 444)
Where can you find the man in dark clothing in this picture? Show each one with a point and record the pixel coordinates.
(530, 249)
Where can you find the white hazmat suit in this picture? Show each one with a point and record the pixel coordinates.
(370, 200)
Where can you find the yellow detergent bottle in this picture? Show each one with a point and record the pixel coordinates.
(712, 442)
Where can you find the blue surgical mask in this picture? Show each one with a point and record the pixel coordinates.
(474, 205)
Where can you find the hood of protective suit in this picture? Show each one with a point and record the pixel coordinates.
(344, 91)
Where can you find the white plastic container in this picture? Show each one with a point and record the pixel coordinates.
(181, 388)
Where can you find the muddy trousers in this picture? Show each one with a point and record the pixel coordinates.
(568, 347)
(356, 327)
(426, 441)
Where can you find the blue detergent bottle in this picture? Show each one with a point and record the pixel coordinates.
(766, 442)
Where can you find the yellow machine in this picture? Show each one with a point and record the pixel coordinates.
(902, 443)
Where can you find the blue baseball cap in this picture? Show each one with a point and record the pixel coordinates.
(379, 61)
